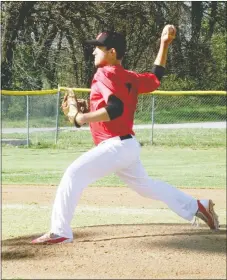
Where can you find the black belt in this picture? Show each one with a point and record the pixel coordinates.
(128, 136)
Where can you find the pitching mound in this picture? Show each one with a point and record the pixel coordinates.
(132, 250)
(146, 251)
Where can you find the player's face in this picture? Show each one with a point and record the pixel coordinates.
(103, 56)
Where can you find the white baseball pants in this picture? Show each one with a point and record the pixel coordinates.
(123, 158)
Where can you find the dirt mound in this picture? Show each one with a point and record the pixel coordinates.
(145, 251)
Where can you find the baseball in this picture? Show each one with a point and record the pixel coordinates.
(169, 30)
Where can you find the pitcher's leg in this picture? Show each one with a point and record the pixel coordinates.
(82, 172)
(68, 194)
(181, 203)
(96, 163)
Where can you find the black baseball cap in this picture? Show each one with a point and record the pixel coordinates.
(110, 39)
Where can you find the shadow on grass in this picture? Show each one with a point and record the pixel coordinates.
(172, 236)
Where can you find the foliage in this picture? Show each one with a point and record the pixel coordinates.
(46, 46)
(219, 69)
(172, 82)
(43, 44)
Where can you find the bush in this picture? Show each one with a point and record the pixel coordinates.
(171, 82)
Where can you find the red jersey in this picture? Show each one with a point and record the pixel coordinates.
(126, 85)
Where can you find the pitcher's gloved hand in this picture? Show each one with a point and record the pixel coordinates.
(73, 107)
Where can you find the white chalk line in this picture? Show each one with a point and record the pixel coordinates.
(93, 209)
(98, 212)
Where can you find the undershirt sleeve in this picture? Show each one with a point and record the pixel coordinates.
(115, 107)
(158, 70)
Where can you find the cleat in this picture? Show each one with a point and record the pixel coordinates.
(207, 214)
(51, 238)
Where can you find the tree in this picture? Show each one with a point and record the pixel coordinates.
(14, 17)
(43, 42)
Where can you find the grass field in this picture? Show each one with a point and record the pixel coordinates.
(191, 159)
(184, 137)
(187, 167)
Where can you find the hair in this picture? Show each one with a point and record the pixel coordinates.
(120, 52)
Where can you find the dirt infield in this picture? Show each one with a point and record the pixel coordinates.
(133, 251)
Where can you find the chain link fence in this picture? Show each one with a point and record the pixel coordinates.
(159, 119)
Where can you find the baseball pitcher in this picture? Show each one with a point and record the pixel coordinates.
(113, 100)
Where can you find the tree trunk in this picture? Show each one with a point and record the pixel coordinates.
(196, 20)
(212, 19)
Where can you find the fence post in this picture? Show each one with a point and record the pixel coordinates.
(57, 116)
(27, 116)
(152, 118)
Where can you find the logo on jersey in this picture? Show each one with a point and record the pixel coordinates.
(129, 87)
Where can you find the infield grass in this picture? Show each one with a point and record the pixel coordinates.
(187, 158)
(80, 139)
(36, 219)
(184, 167)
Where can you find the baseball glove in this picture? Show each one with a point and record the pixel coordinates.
(71, 106)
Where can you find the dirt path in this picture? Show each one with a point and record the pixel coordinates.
(138, 251)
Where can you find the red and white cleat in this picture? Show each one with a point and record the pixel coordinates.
(207, 214)
(51, 238)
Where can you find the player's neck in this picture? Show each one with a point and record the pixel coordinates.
(114, 63)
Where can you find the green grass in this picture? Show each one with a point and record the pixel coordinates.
(36, 219)
(194, 138)
(182, 115)
(184, 167)
(182, 157)
(188, 158)
(197, 114)
(180, 109)
(33, 122)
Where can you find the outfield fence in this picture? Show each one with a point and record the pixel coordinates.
(34, 117)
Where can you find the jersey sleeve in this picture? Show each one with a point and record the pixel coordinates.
(107, 83)
(147, 82)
